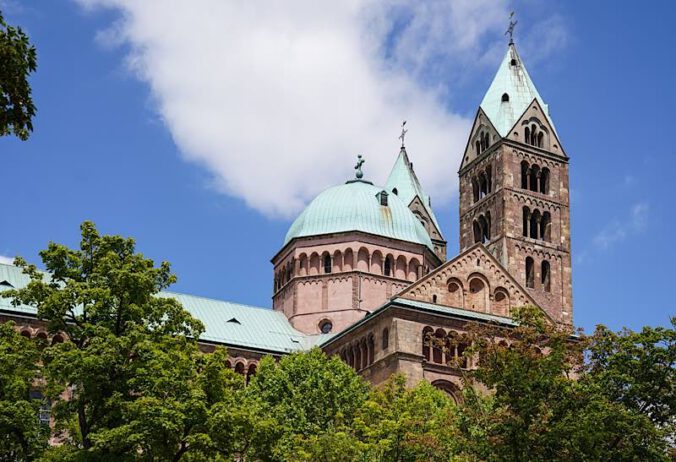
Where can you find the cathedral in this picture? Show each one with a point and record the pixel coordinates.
(363, 271)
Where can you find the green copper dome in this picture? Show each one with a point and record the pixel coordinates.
(356, 206)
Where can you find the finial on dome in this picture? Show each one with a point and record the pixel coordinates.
(403, 133)
(510, 29)
(360, 161)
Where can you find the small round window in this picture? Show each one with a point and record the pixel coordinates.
(325, 326)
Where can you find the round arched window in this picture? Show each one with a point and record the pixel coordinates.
(325, 326)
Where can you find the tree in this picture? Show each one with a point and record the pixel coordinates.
(542, 406)
(308, 394)
(637, 369)
(22, 436)
(129, 382)
(402, 424)
(18, 59)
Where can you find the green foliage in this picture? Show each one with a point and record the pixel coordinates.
(22, 437)
(636, 369)
(307, 393)
(129, 383)
(408, 424)
(18, 59)
(543, 406)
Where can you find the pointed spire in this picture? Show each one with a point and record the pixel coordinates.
(510, 93)
(404, 183)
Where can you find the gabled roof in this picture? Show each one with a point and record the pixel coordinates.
(421, 306)
(446, 270)
(512, 79)
(227, 323)
(403, 178)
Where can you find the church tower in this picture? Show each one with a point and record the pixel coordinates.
(514, 194)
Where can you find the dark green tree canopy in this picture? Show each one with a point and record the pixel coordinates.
(18, 59)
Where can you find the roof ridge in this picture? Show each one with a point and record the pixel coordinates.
(171, 292)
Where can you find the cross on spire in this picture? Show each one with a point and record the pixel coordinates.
(403, 133)
(360, 161)
(510, 29)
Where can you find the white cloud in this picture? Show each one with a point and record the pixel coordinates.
(6, 260)
(617, 231)
(277, 98)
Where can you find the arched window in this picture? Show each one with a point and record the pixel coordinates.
(534, 224)
(58, 338)
(388, 266)
(434, 298)
(483, 185)
(239, 368)
(327, 263)
(455, 295)
(546, 227)
(487, 230)
(357, 357)
(250, 372)
(475, 189)
(476, 227)
(370, 347)
(530, 273)
(545, 276)
(524, 174)
(533, 135)
(526, 220)
(544, 181)
(477, 147)
(526, 135)
(540, 139)
(477, 297)
(534, 178)
(386, 338)
(438, 346)
(427, 335)
(505, 97)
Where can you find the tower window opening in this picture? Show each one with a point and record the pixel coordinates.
(544, 181)
(388, 266)
(395, 191)
(533, 135)
(526, 221)
(546, 227)
(535, 224)
(327, 263)
(524, 175)
(513, 62)
(505, 97)
(546, 276)
(530, 273)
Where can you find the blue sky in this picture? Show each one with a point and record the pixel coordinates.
(202, 138)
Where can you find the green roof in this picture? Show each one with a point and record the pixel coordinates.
(405, 181)
(354, 206)
(514, 80)
(447, 310)
(225, 323)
